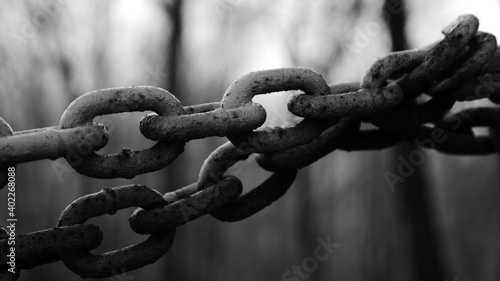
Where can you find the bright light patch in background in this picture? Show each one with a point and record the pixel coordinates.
(133, 13)
(427, 18)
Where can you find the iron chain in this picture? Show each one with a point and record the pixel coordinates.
(407, 95)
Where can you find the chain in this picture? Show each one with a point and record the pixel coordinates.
(406, 95)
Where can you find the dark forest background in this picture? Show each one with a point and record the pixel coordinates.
(442, 223)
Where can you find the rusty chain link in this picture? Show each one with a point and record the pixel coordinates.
(407, 96)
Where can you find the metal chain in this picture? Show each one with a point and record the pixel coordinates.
(407, 95)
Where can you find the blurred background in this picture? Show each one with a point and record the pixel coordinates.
(442, 223)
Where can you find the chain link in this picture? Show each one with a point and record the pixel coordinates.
(407, 95)
(5, 131)
(127, 163)
(205, 121)
(108, 201)
(51, 143)
(240, 93)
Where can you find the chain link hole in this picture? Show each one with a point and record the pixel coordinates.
(277, 110)
(124, 132)
(112, 226)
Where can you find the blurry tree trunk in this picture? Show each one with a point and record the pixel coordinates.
(415, 209)
(306, 222)
(180, 261)
(173, 269)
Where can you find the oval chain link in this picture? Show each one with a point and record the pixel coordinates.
(241, 92)
(127, 163)
(109, 201)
